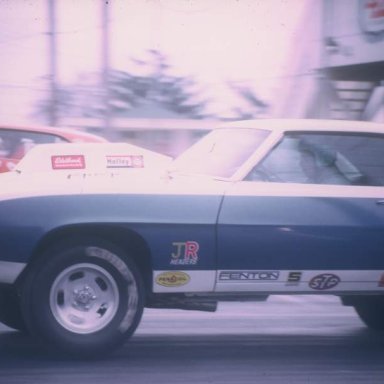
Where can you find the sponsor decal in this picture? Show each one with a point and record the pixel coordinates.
(68, 162)
(324, 281)
(294, 278)
(172, 279)
(249, 275)
(381, 282)
(372, 16)
(125, 161)
(185, 253)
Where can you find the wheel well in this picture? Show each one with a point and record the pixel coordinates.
(126, 239)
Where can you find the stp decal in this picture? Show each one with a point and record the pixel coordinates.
(185, 253)
(324, 281)
(172, 279)
(125, 161)
(68, 162)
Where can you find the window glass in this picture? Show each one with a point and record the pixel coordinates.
(324, 158)
(221, 152)
(14, 144)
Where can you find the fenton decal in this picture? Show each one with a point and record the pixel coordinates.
(172, 279)
(324, 281)
(68, 162)
(249, 275)
(185, 253)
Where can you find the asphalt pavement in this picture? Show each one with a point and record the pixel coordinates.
(288, 339)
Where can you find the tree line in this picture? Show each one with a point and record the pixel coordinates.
(127, 91)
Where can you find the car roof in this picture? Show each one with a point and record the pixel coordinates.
(63, 132)
(282, 125)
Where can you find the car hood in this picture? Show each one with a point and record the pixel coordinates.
(14, 185)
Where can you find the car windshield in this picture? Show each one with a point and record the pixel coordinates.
(221, 152)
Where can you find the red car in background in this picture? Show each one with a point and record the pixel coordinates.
(16, 141)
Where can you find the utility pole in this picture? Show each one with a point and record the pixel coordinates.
(107, 125)
(52, 57)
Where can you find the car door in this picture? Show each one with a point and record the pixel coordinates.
(308, 218)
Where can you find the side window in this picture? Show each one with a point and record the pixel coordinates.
(7, 143)
(14, 144)
(324, 158)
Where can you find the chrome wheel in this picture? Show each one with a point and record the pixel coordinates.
(84, 298)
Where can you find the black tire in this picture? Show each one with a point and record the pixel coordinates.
(371, 312)
(10, 312)
(85, 299)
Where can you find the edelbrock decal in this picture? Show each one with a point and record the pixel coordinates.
(324, 281)
(68, 162)
(172, 279)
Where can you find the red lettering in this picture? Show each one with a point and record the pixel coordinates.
(191, 249)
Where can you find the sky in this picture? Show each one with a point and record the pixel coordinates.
(215, 41)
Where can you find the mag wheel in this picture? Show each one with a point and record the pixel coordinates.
(85, 299)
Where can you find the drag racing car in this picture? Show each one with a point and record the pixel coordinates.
(17, 140)
(255, 208)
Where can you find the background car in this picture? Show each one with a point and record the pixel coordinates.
(16, 141)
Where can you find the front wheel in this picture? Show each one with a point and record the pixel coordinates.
(371, 312)
(85, 299)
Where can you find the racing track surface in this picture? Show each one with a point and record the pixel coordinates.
(297, 339)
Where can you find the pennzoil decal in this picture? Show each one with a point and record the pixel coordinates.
(172, 279)
(324, 281)
(185, 253)
(125, 161)
(68, 162)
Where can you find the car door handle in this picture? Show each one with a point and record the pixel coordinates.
(380, 202)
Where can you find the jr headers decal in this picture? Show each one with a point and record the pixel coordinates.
(185, 253)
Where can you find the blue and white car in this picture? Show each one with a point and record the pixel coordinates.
(255, 208)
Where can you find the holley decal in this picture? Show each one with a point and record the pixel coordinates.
(185, 253)
(125, 161)
(172, 279)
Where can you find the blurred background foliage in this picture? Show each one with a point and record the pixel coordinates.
(156, 85)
